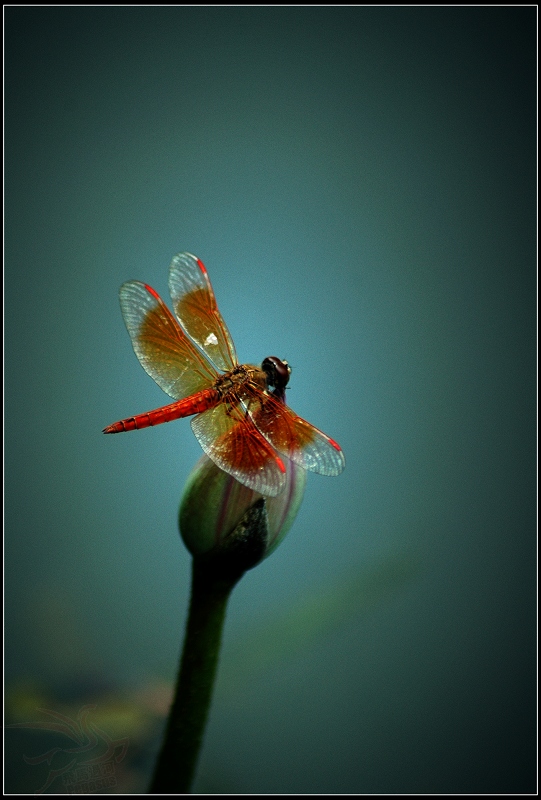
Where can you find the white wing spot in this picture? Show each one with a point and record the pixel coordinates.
(211, 339)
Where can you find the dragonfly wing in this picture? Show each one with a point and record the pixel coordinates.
(232, 441)
(293, 436)
(163, 349)
(197, 311)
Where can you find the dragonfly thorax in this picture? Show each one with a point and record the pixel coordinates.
(239, 376)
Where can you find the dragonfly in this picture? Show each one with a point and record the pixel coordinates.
(240, 417)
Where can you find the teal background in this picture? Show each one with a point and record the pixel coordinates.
(361, 185)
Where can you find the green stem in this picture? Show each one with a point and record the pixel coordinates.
(187, 718)
(213, 577)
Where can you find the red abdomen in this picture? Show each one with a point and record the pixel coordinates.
(194, 404)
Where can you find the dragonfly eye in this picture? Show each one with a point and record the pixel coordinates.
(277, 372)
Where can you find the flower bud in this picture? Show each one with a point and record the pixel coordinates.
(214, 503)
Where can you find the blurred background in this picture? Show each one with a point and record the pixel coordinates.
(361, 185)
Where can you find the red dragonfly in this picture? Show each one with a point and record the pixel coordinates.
(241, 420)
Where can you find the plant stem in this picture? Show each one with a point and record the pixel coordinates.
(187, 718)
(213, 577)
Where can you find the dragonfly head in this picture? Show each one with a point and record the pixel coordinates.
(277, 372)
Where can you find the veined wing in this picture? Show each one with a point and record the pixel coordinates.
(291, 435)
(232, 441)
(163, 349)
(197, 311)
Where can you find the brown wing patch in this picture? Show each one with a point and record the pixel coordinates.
(196, 309)
(163, 349)
(293, 436)
(232, 441)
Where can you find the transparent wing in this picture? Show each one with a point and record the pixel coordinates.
(232, 441)
(292, 435)
(195, 307)
(163, 349)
